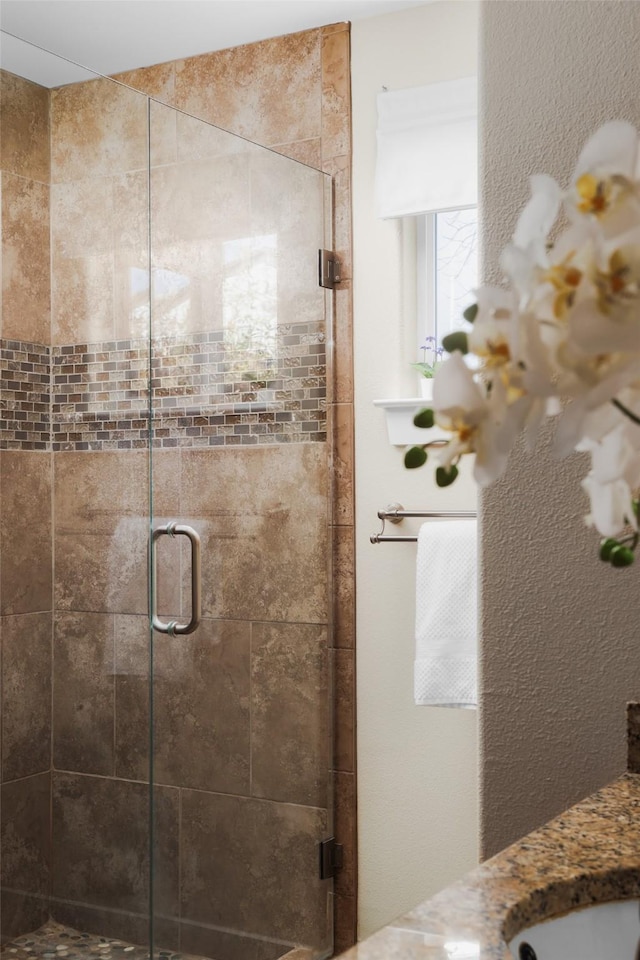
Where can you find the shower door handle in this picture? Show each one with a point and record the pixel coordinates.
(173, 628)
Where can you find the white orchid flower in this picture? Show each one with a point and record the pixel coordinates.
(461, 408)
(615, 472)
(562, 338)
(591, 414)
(608, 321)
(603, 183)
(611, 505)
(527, 253)
(490, 337)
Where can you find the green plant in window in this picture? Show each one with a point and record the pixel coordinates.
(431, 358)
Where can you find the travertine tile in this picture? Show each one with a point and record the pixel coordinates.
(200, 140)
(133, 692)
(157, 81)
(343, 587)
(288, 204)
(290, 713)
(343, 464)
(26, 835)
(201, 713)
(101, 843)
(343, 349)
(98, 128)
(339, 27)
(336, 93)
(130, 239)
(198, 209)
(344, 823)
(340, 170)
(21, 913)
(83, 693)
(24, 127)
(26, 694)
(305, 151)
(201, 728)
(271, 887)
(344, 710)
(267, 91)
(82, 265)
(206, 941)
(26, 273)
(25, 532)
(262, 517)
(345, 919)
(101, 531)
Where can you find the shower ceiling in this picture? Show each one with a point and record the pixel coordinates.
(110, 36)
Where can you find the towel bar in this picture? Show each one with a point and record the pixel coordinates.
(395, 513)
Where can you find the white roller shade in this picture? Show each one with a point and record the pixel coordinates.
(427, 148)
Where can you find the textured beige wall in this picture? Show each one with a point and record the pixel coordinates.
(417, 789)
(561, 651)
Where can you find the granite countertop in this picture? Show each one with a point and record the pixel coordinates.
(589, 854)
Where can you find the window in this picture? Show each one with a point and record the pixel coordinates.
(447, 270)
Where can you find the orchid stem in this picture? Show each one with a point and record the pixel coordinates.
(628, 413)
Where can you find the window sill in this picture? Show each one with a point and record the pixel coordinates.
(400, 428)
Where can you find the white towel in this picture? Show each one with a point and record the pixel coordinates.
(445, 669)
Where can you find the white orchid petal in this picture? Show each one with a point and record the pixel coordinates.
(612, 149)
(518, 265)
(569, 429)
(454, 387)
(594, 332)
(610, 458)
(611, 505)
(540, 213)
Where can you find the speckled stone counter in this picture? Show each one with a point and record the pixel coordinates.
(589, 854)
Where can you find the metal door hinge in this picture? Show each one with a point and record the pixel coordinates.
(328, 269)
(331, 858)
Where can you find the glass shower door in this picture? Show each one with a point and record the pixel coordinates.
(74, 517)
(241, 455)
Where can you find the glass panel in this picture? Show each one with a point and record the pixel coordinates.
(74, 513)
(242, 705)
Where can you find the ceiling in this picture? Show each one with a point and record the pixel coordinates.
(109, 36)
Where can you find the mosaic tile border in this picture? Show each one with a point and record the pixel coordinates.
(95, 396)
(25, 377)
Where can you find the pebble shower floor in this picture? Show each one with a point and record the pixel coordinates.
(53, 941)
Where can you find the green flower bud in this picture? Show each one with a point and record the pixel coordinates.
(622, 556)
(606, 546)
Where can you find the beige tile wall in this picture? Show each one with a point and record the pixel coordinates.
(25, 523)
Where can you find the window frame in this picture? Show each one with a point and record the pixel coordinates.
(426, 273)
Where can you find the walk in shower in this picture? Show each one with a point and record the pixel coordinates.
(164, 361)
